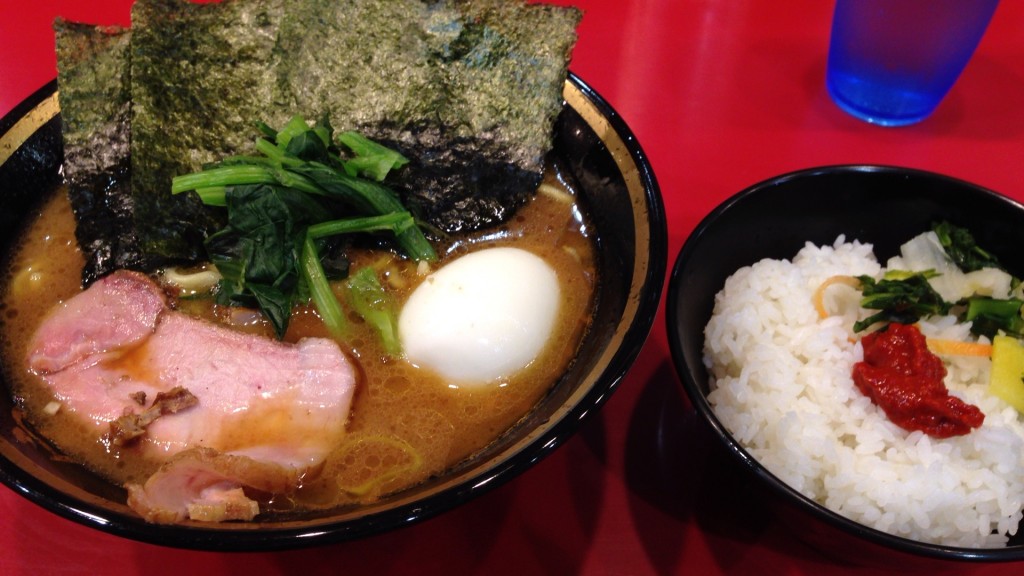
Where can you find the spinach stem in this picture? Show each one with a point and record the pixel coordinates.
(320, 290)
(235, 175)
(374, 198)
(276, 154)
(241, 175)
(396, 222)
(213, 195)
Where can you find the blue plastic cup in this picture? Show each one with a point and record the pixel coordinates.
(891, 62)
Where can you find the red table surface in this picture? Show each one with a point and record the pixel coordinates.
(721, 94)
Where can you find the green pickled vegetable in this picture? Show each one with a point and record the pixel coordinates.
(961, 247)
(990, 316)
(903, 297)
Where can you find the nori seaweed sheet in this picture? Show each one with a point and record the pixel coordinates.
(93, 80)
(467, 89)
(500, 69)
(199, 81)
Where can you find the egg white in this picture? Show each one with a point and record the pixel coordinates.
(481, 317)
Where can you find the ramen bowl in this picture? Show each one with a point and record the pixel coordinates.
(605, 165)
(879, 205)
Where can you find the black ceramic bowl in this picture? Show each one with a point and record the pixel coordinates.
(595, 150)
(884, 206)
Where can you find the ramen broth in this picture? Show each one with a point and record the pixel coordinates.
(406, 424)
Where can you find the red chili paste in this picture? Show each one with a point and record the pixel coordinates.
(904, 379)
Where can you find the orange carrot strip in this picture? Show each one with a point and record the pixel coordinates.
(958, 348)
(819, 294)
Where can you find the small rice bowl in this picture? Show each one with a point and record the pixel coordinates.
(781, 384)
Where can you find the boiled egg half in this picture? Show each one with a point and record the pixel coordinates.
(482, 316)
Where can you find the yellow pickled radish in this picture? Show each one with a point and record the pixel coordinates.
(1007, 378)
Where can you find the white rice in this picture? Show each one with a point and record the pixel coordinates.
(781, 383)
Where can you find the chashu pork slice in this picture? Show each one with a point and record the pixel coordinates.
(117, 352)
(203, 484)
(121, 312)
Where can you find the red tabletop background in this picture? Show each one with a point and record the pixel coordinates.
(721, 94)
